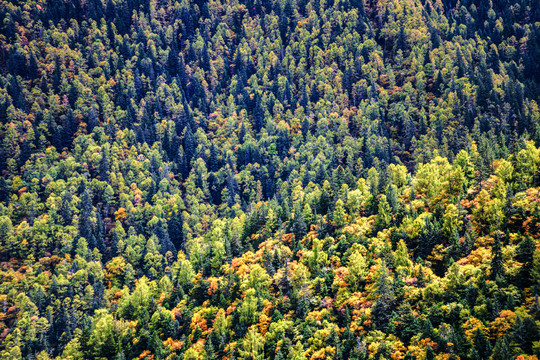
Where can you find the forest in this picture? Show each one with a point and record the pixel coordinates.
(270, 179)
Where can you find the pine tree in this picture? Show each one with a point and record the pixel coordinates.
(210, 350)
(428, 332)
(384, 299)
(176, 230)
(189, 144)
(213, 160)
(430, 355)
(502, 350)
(65, 208)
(525, 255)
(163, 237)
(258, 114)
(482, 345)
(85, 224)
(525, 333)
(299, 227)
(497, 266)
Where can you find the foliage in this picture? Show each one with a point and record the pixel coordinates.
(263, 179)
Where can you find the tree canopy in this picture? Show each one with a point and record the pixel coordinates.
(255, 179)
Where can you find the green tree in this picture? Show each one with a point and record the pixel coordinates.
(402, 263)
(502, 350)
(384, 299)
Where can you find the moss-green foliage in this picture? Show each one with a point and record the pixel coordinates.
(262, 179)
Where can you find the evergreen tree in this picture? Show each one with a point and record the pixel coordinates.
(502, 350)
(384, 299)
(482, 345)
(85, 224)
(175, 230)
(525, 253)
(65, 208)
(525, 333)
(497, 266)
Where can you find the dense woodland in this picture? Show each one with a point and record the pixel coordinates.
(269, 179)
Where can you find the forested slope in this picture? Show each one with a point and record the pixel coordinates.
(269, 179)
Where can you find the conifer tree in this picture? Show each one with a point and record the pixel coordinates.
(384, 299)
(502, 350)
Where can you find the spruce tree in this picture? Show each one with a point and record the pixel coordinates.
(502, 350)
(384, 299)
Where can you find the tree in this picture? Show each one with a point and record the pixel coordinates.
(525, 255)
(175, 228)
(402, 263)
(10, 150)
(189, 144)
(299, 227)
(6, 233)
(502, 350)
(384, 215)
(358, 269)
(497, 265)
(65, 208)
(339, 215)
(105, 339)
(525, 333)
(326, 198)
(430, 355)
(252, 346)
(384, 299)
(258, 114)
(451, 221)
(86, 228)
(482, 345)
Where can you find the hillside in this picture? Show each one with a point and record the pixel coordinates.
(247, 179)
